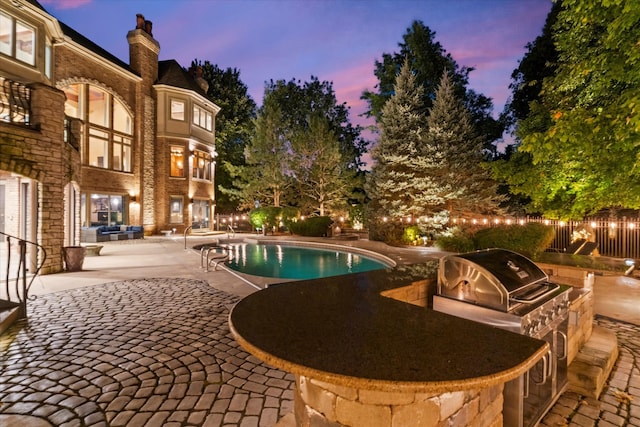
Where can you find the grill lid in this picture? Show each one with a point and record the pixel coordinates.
(495, 278)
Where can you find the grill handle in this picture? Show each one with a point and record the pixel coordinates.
(565, 345)
(546, 369)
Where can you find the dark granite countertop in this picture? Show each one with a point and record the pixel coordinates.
(343, 331)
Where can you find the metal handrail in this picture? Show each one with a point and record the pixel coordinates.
(18, 276)
(185, 235)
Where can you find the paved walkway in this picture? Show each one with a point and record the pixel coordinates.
(152, 348)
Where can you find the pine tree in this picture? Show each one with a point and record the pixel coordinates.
(400, 184)
(462, 182)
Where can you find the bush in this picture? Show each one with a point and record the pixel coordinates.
(316, 226)
(389, 232)
(411, 235)
(265, 218)
(289, 215)
(457, 240)
(530, 239)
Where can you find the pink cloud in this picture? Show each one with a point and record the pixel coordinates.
(65, 4)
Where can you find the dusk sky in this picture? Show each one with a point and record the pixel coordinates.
(335, 40)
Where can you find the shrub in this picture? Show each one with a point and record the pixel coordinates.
(316, 226)
(289, 215)
(389, 232)
(530, 239)
(411, 234)
(457, 240)
(265, 217)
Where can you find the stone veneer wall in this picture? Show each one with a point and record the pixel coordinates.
(143, 58)
(417, 293)
(42, 155)
(320, 404)
(581, 314)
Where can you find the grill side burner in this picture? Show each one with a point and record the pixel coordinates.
(506, 290)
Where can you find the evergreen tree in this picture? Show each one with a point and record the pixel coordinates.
(428, 59)
(234, 125)
(400, 185)
(462, 183)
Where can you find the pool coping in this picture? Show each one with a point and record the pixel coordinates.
(262, 282)
(390, 263)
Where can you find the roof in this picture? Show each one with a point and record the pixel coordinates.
(171, 73)
(85, 42)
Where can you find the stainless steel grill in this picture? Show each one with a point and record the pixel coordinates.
(504, 289)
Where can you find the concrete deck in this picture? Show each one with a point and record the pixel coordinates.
(140, 338)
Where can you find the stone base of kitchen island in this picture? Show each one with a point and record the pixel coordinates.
(321, 404)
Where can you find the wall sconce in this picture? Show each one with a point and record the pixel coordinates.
(191, 201)
(133, 199)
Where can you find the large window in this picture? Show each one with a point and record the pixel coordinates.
(202, 118)
(109, 132)
(201, 165)
(17, 39)
(103, 209)
(177, 162)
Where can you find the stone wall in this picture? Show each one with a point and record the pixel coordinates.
(320, 404)
(40, 154)
(580, 320)
(417, 293)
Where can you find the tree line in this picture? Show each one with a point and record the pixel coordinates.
(573, 114)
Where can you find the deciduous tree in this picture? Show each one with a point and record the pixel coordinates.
(582, 135)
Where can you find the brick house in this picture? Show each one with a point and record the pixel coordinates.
(87, 140)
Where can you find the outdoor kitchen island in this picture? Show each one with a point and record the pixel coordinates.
(364, 359)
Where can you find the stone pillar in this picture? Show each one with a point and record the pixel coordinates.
(48, 151)
(143, 58)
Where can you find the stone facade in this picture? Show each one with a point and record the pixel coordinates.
(39, 154)
(47, 178)
(321, 404)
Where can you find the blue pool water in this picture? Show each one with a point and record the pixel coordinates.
(296, 262)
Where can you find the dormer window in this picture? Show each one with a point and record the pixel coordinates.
(17, 39)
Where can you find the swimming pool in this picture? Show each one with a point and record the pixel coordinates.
(296, 262)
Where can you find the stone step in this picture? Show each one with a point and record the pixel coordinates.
(8, 314)
(592, 365)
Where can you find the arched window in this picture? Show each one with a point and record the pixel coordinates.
(108, 134)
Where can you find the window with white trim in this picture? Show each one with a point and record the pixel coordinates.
(109, 130)
(176, 209)
(17, 39)
(177, 110)
(202, 118)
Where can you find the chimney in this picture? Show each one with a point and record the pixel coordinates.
(143, 50)
(200, 80)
